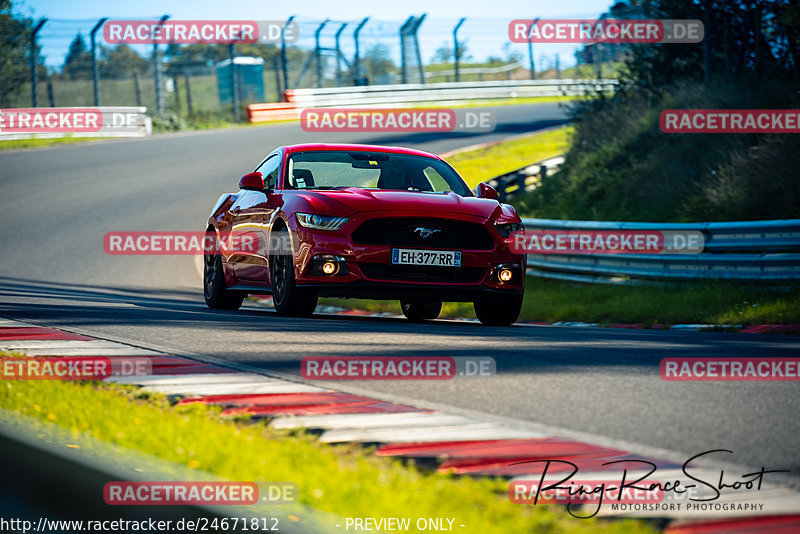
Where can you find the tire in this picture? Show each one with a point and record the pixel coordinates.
(499, 311)
(287, 297)
(421, 309)
(214, 290)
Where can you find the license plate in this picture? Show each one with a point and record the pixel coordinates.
(435, 258)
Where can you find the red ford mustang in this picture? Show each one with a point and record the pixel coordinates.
(365, 221)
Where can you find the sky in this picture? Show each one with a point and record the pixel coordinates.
(485, 30)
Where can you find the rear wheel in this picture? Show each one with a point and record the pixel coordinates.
(421, 309)
(499, 311)
(214, 289)
(287, 297)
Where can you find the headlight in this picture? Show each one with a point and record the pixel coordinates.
(508, 228)
(320, 222)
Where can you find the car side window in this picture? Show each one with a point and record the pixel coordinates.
(269, 170)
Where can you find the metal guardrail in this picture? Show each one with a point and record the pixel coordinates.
(481, 70)
(524, 179)
(750, 251)
(395, 95)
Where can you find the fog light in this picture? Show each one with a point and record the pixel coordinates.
(505, 274)
(329, 267)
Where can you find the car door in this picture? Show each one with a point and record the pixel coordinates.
(251, 213)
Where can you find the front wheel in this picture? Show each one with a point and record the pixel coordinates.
(421, 309)
(287, 297)
(214, 290)
(499, 311)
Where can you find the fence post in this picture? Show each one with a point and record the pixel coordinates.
(403, 65)
(277, 69)
(50, 97)
(136, 87)
(283, 53)
(177, 91)
(455, 45)
(339, 55)
(521, 177)
(189, 107)
(530, 49)
(95, 74)
(357, 59)
(234, 84)
(414, 30)
(543, 172)
(318, 52)
(157, 69)
(34, 80)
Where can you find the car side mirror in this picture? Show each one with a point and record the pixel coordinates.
(252, 181)
(487, 191)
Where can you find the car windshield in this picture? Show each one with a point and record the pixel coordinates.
(372, 170)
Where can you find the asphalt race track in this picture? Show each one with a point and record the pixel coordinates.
(57, 204)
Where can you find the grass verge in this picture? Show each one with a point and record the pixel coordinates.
(482, 164)
(338, 479)
(39, 142)
(651, 305)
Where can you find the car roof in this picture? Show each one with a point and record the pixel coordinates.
(306, 147)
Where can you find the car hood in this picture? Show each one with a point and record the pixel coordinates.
(346, 202)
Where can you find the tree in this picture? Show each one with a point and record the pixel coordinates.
(15, 34)
(121, 61)
(444, 54)
(78, 63)
(377, 60)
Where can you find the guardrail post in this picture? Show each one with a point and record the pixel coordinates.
(521, 177)
(501, 190)
(34, 80)
(455, 45)
(95, 74)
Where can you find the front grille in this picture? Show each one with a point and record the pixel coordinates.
(421, 273)
(400, 232)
